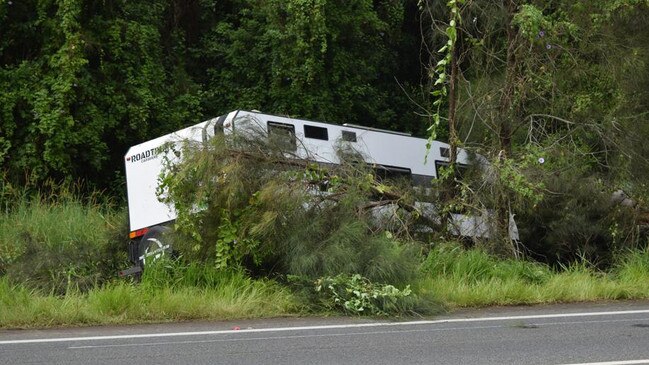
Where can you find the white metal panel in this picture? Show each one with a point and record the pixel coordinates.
(382, 148)
(144, 163)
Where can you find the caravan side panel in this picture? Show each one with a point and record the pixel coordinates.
(144, 163)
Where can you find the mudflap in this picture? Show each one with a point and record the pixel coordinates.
(136, 269)
(133, 253)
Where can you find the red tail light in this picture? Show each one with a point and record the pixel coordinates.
(138, 233)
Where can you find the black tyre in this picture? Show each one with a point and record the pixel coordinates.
(153, 245)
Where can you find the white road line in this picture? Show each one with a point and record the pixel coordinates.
(146, 344)
(324, 327)
(626, 362)
(140, 344)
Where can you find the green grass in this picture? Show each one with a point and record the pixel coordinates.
(59, 242)
(472, 278)
(124, 303)
(453, 278)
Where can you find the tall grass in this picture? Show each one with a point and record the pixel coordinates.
(59, 242)
(632, 267)
(453, 277)
(236, 297)
(469, 278)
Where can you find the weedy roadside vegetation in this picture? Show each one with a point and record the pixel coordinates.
(118, 302)
(59, 258)
(56, 242)
(470, 278)
(452, 277)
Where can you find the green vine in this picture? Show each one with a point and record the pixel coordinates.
(440, 75)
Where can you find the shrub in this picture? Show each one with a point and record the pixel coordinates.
(357, 295)
(267, 213)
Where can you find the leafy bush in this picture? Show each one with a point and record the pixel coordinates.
(267, 213)
(576, 217)
(357, 295)
(561, 202)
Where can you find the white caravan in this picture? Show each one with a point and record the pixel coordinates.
(392, 152)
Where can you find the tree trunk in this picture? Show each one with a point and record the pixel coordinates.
(507, 102)
(452, 103)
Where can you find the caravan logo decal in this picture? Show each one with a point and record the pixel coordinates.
(146, 155)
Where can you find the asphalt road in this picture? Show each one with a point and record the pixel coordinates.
(613, 333)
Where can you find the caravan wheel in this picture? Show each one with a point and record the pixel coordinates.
(153, 245)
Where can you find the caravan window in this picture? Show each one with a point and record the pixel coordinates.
(384, 172)
(283, 134)
(349, 136)
(311, 131)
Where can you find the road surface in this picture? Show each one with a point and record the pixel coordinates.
(609, 333)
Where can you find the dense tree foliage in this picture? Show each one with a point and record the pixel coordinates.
(82, 80)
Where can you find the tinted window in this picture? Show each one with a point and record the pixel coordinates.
(314, 132)
(391, 172)
(349, 136)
